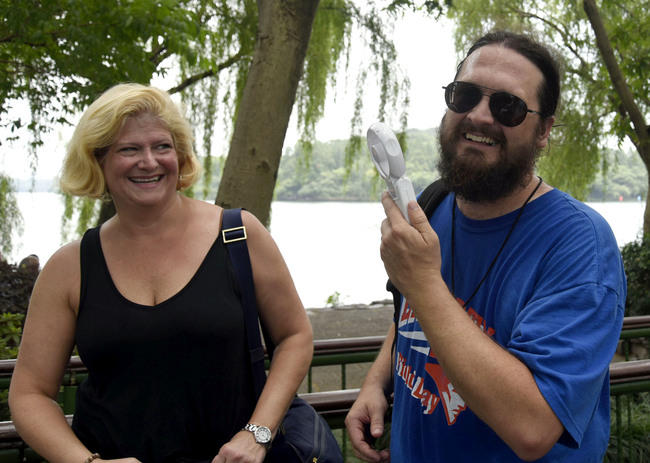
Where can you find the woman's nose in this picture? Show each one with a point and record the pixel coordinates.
(147, 158)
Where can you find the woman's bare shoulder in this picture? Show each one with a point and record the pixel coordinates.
(66, 255)
(252, 222)
(61, 274)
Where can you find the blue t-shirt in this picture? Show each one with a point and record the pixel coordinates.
(554, 299)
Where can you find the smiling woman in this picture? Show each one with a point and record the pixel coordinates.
(152, 278)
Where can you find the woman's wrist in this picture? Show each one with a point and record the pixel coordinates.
(92, 457)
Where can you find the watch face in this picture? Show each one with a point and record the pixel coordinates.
(263, 434)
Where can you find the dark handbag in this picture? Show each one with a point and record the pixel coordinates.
(304, 436)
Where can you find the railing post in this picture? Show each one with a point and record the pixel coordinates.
(309, 380)
(619, 438)
(344, 435)
(69, 398)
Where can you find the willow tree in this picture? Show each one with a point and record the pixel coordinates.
(290, 66)
(605, 51)
(235, 60)
(10, 218)
(264, 111)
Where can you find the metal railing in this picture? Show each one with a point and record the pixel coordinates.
(629, 388)
(626, 378)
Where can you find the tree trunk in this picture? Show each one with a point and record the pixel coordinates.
(251, 169)
(640, 138)
(106, 211)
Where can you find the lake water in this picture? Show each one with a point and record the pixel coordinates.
(330, 247)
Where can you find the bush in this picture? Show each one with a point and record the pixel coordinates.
(636, 259)
(11, 330)
(633, 446)
(16, 284)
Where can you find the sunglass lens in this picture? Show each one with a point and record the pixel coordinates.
(508, 109)
(461, 97)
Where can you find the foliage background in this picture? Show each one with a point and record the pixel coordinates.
(16, 284)
(325, 176)
(636, 259)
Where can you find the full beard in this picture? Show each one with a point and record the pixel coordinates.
(475, 180)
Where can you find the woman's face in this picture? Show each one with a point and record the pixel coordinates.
(141, 166)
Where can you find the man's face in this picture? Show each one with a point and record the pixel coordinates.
(481, 159)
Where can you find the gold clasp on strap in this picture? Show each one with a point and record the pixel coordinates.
(239, 232)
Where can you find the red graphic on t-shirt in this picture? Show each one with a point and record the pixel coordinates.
(453, 403)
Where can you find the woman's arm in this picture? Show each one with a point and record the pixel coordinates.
(47, 341)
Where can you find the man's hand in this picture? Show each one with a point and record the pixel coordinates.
(411, 254)
(365, 423)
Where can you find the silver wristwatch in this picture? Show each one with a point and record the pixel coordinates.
(262, 434)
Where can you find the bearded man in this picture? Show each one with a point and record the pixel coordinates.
(513, 292)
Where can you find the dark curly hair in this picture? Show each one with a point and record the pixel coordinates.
(535, 52)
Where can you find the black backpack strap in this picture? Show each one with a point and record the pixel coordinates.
(234, 237)
(432, 196)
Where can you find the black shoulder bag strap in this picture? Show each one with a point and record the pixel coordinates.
(234, 237)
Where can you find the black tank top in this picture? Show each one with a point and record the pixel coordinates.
(166, 383)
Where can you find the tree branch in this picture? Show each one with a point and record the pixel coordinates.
(56, 34)
(618, 80)
(158, 55)
(204, 75)
(568, 43)
(8, 38)
(20, 65)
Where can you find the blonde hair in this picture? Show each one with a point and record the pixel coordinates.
(82, 173)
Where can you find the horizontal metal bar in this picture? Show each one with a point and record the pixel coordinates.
(633, 333)
(635, 370)
(629, 388)
(343, 359)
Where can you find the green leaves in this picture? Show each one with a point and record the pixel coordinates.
(431, 7)
(636, 259)
(11, 330)
(10, 217)
(61, 55)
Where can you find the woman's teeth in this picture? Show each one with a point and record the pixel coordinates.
(146, 180)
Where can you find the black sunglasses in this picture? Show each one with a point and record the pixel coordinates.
(507, 109)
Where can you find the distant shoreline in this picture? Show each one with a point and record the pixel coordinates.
(25, 185)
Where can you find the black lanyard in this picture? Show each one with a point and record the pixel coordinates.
(503, 245)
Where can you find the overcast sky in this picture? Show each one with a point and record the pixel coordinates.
(425, 54)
